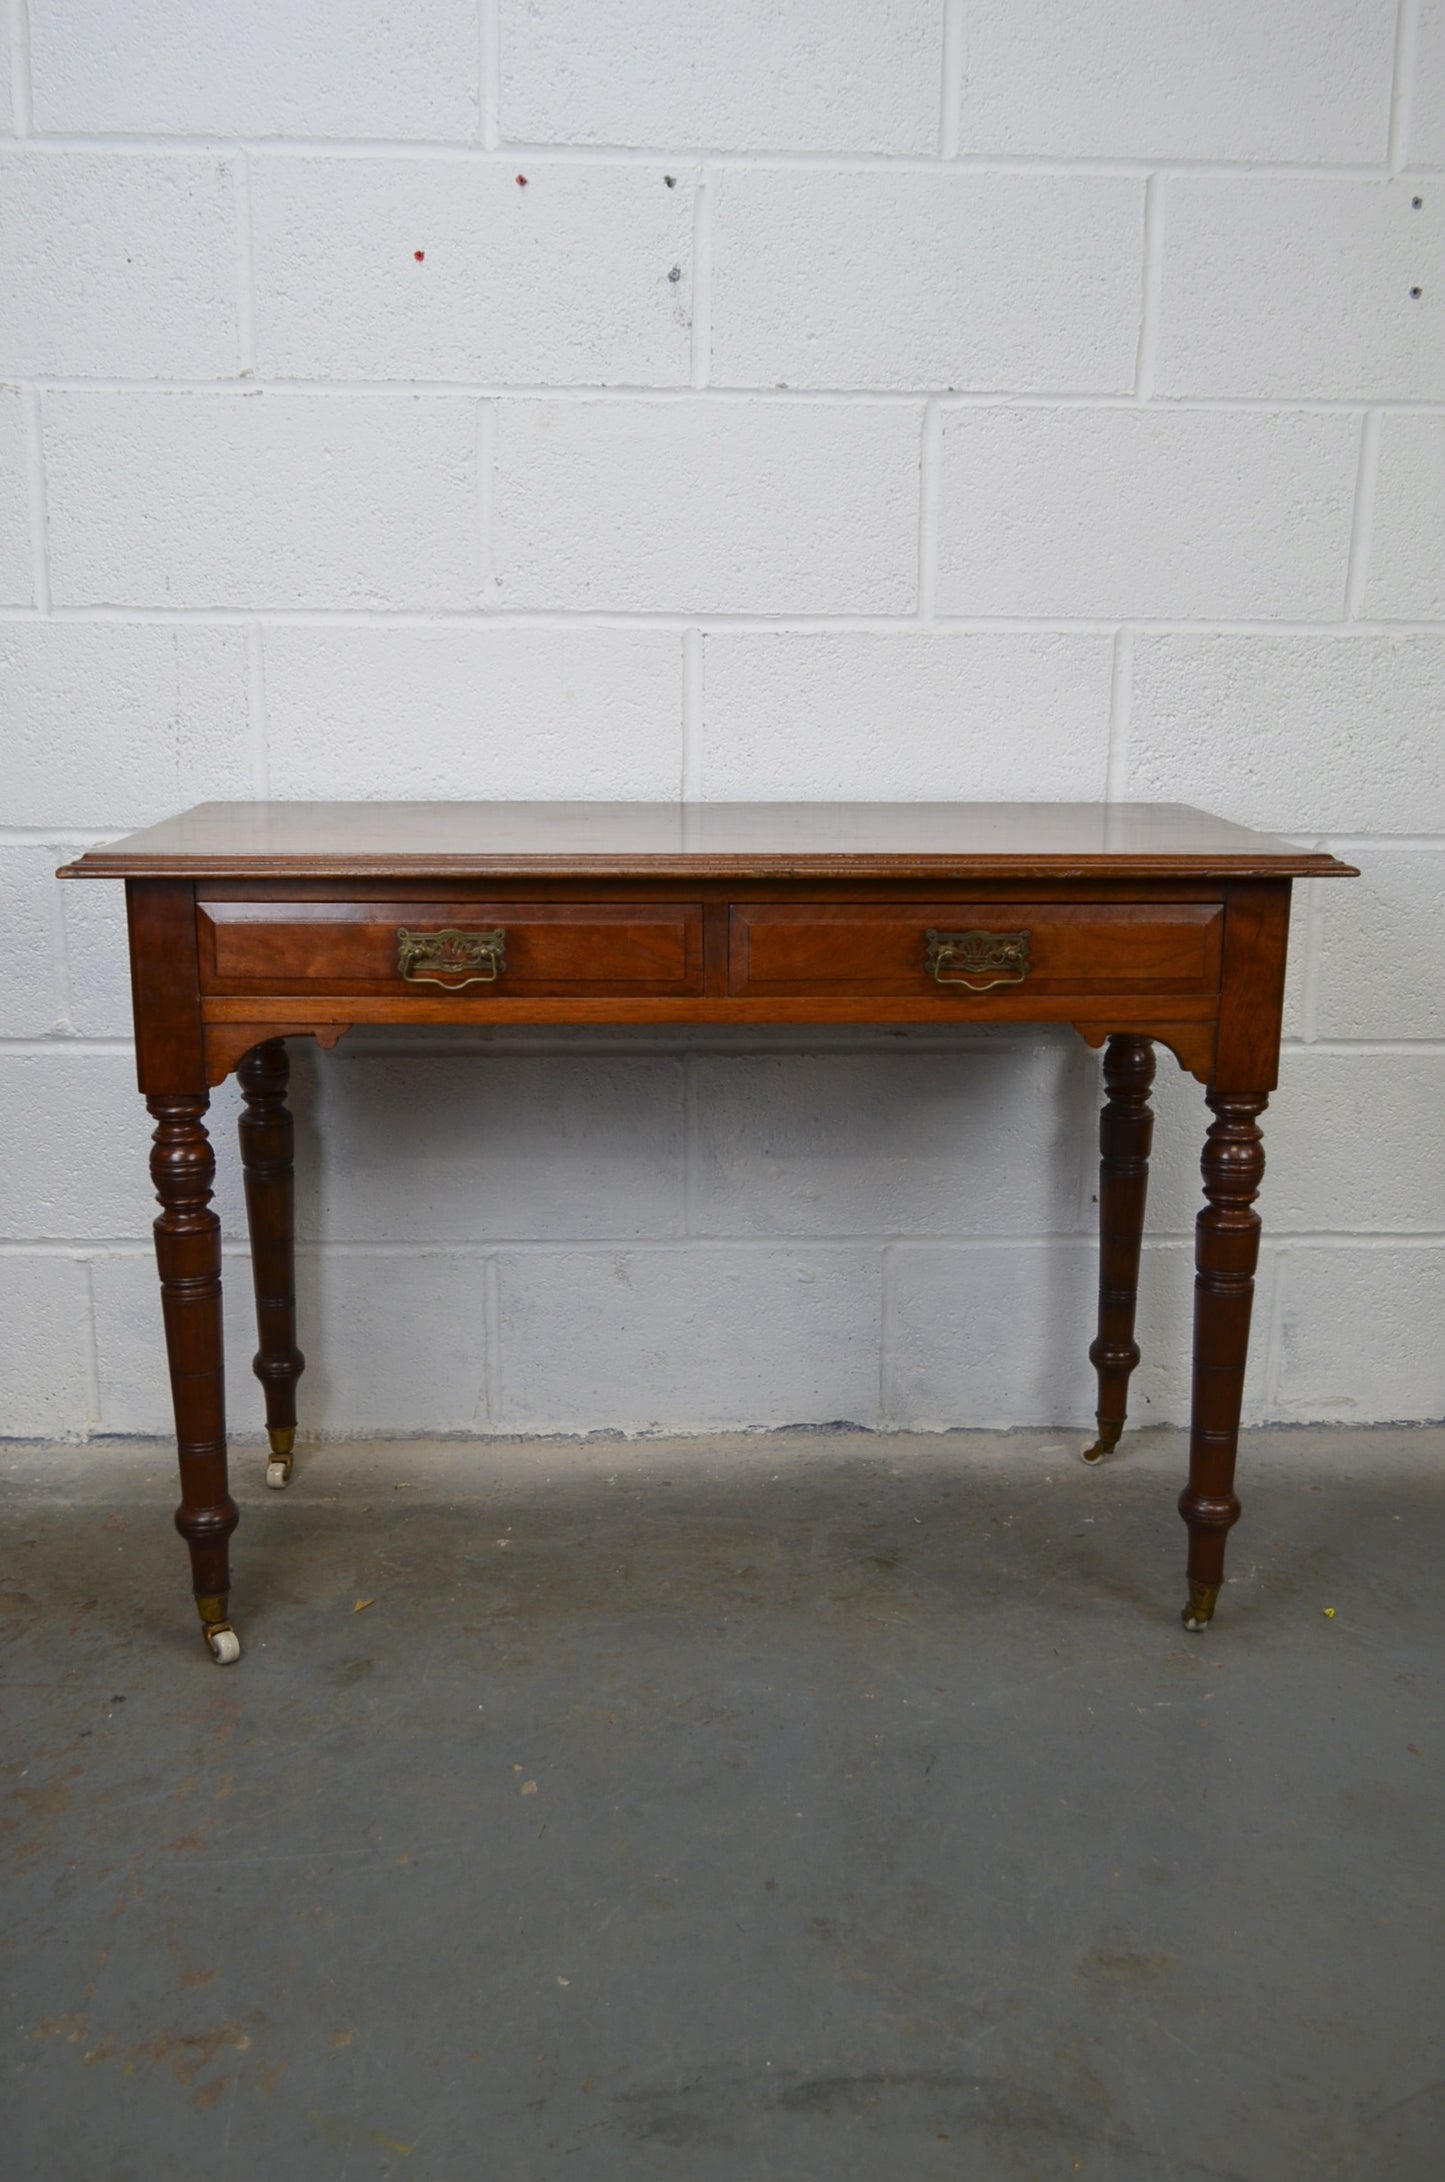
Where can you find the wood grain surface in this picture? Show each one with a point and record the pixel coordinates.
(723, 839)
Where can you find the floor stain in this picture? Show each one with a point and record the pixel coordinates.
(187, 2053)
(1118, 1967)
(69, 2027)
(337, 2130)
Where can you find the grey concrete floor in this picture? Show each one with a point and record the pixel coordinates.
(815, 1807)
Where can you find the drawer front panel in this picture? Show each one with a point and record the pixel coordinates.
(554, 950)
(884, 949)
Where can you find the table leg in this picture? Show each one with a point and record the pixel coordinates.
(1126, 1132)
(188, 1253)
(266, 1134)
(1226, 1250)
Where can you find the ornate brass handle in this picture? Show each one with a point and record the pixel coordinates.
(959, 958)
(451, 959)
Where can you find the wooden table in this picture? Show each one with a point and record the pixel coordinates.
(254, 923)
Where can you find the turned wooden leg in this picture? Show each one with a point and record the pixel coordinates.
(188, 1253)
(1126, 1131)
(266, 1159)
(1226, 1249)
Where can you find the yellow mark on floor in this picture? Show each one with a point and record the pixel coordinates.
(339, 2131)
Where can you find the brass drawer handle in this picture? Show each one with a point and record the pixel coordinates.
(461, 958)
(958, 958)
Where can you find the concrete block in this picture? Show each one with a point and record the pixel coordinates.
(334, 68)
(1382, 948)
(393, 1344)
(1325, 289)
(77, 1140)
(906, 717)
(987, 1334)
(690, 506)
(79, 1143)
(1352, 1145)
(118, 265)
(980, 1141)
(1159, 1392)
(995, 1335)
(1298, 80)
(1360, 1334)
(697, 1339)
(818, 75)
(135, 1387)
(1103, 512)
(45, 1390)
(17, 571)
(32, 1002)
(115, 726)
(1427, 108)
(1300, 734)
(1302, 894)
(262, 499)
(446, 269)
(1022, 281)
(97, 958)
(1407, 551)
(489, 713)
(1180, 1121)
(221, 1120)
(572, 1145)
(410, 1343)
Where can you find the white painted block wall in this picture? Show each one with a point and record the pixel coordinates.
(644, 398)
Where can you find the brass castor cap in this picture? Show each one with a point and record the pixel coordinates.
(1199, 1612)
(1108, 1440)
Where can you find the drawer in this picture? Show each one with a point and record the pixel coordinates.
(884, 948)
(558, 950)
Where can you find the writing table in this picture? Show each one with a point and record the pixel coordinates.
(254, 923)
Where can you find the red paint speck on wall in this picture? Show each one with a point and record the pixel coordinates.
(418, 255)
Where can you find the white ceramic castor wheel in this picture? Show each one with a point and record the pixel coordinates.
(283, 1440)
(1198, 1614)
(278, 1471)
(223, 1643)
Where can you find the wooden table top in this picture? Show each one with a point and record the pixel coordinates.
(703, 840)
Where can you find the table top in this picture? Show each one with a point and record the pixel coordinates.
(717, 840)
